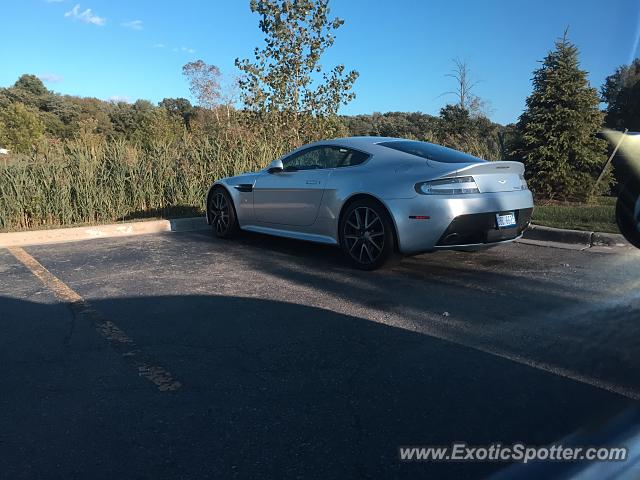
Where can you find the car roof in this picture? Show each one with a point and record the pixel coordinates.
(366, 144)
(438, 153)
(361, 141)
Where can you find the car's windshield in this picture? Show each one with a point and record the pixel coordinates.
(431, 151)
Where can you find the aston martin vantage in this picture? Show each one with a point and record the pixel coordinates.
(377, 197)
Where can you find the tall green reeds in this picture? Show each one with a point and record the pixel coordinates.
(92, 179)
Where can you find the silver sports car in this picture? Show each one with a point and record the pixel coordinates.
(376, 196)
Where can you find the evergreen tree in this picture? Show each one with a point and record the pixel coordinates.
(621, 92)
(455, 119)
(558, 129)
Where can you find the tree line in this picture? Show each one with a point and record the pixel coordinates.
(284, 92)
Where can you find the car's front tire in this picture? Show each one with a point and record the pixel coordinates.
(366, 234)
(222, 214)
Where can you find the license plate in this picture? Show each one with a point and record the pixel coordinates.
(506, 220)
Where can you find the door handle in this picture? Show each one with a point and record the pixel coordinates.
(313, 182)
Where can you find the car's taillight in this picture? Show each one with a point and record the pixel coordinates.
(448, 186)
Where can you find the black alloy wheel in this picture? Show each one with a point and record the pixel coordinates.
(222, 214)
(367, 234)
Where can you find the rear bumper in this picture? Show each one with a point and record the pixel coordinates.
(459, 221)
(472, 247)
(481, 228)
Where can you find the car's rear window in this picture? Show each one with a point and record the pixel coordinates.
(430, 151)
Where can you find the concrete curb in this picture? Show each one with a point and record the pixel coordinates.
(535, 233)
(574, 237)
(76, 234)
(559, 235)
(609, 240)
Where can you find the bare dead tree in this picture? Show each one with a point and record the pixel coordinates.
(466, 99)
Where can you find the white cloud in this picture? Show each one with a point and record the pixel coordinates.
(159, 45)
(119, 99)
(183, 49)
(86, 16)
(50, 78)
(133, 24)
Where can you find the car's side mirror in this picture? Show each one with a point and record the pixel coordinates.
(276, 166)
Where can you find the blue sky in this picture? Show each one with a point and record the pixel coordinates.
(402, 49)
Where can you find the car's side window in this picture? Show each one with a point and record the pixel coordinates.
(333, 156)
(350, 158)
(324, 157)
(305, 160)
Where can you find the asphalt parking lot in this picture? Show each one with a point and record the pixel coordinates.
(182, 356)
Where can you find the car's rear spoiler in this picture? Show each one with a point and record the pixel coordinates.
(488, 168)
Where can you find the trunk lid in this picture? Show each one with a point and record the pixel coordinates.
(493, 177)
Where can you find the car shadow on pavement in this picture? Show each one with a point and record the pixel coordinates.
(586, 322)
(270, 389)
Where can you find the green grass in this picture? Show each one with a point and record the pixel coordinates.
(597, 216)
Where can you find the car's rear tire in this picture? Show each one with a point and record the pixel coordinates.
(222, 214)
(627, 213)
(366, 234)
